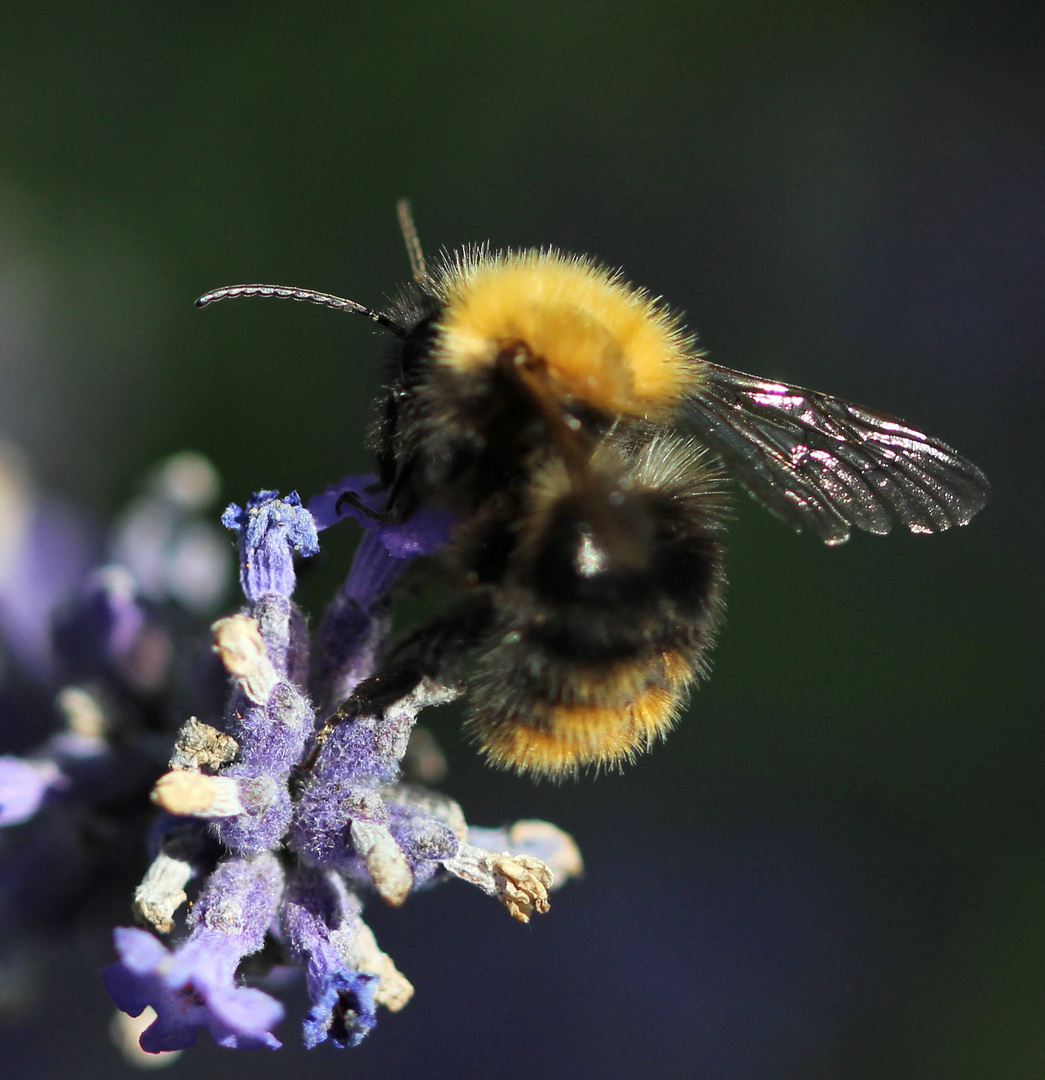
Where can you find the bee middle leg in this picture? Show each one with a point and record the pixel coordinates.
(433, 651)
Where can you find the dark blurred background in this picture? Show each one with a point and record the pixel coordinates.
(836, 866)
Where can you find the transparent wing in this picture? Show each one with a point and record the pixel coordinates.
(828, 466)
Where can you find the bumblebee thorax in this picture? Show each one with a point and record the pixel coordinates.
(603, 342)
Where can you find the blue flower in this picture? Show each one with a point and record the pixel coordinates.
(190, 989)
(320, 924)
(271, 532)
(194, 986)
(343, 1007)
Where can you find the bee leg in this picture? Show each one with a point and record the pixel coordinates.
(433, 651)
(350, 498)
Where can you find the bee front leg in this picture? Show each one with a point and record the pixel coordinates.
(434, 651)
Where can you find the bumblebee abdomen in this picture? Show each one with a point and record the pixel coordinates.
(607, 614)
(599, 716)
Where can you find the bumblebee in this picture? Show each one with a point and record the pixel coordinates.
(581, 442)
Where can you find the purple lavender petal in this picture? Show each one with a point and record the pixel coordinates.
(423, 534)
(373, 572)
(194, 986)
(426, 532)
(271, 531)
(356, 622)
(325, 508)
(189, 989)
(23, 786)
(343, 1008)
(132, 982)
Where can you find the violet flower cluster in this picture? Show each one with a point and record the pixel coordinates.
(276, 836)
(96, 655)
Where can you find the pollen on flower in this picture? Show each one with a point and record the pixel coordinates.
(200, 746)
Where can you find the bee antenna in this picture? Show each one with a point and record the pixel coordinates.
(288, 292)
(413, 244)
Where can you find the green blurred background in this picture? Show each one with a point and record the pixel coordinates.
(836, 866)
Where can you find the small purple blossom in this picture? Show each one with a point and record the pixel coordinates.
(271, 532)
(194, 986)
(23, 786)
(189, 989)
(320, 926)
(422, 534)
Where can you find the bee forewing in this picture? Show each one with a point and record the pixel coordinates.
(826, 465)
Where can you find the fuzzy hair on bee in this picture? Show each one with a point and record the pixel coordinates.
(580, 442)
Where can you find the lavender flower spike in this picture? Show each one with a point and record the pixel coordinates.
(287, 823)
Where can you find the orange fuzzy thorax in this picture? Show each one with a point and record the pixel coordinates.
(604, 342)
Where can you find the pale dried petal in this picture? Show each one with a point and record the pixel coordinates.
(523, 884)
(194, 794)
(520, 882)
(238, 641)
(394, 990)
(162, 891)
(384, 860)
(201, 746)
